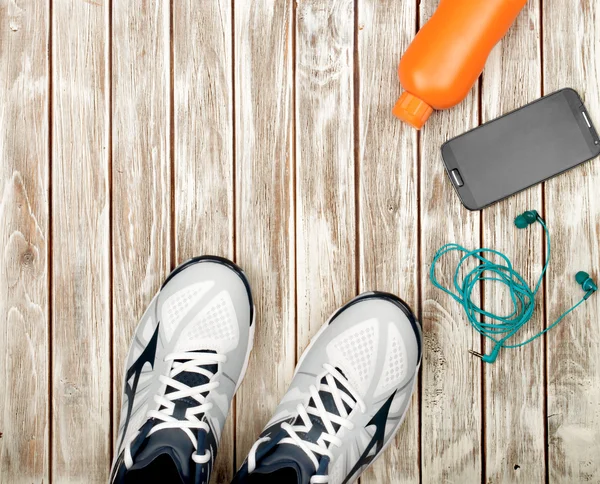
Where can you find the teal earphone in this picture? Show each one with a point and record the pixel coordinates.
(502, 328)
(587, 283)
(526, 219)
(583, 278)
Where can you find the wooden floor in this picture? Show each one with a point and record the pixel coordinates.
(134, 135)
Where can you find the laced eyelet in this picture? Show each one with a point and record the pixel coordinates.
(332, 420)
(201, 459)
(195, 362)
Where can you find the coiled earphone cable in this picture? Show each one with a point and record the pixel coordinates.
(500, 329)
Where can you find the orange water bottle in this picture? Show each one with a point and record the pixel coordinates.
(448, 55)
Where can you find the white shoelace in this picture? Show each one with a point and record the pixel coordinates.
(321, 448)
(189, 362)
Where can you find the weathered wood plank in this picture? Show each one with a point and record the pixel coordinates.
(203, 128)
(514, 433)
(388, 201)
(24, 363)
(203, 147)
(80, 243)
(571, 59)
(325, 198)
(140, 169)
(264, 203)
(450, 378)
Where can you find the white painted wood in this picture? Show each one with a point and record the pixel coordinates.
(325, 195)
(571, 59)
(264, 204)
(81, 357)
(203, 128)
(451, 415)
(514, 385)
(24, 360)
(388, 203)
(141, 184)
(240, 164)
(203, 148)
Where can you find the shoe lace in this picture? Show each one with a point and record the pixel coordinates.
(192, 362)
(345, 401)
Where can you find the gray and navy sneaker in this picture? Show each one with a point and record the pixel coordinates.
(349, 396)
(187, 359)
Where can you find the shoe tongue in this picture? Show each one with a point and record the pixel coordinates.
(326, 397)
(191, 379)
(286, 460)
(174, 444)
(166, 445)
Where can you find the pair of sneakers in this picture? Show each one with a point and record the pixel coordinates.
(348, 398)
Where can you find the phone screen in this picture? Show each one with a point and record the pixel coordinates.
(520, 149)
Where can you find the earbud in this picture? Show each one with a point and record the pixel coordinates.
(526, 219)
(587, 283)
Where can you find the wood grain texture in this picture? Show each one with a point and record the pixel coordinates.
(571, 59)
(388, 197)
(203, 143)
(259, 131)
(203, 148)
(264, 203)
(140, 169)
(24, 360)
(81, 246)
(326, 229)
(514, 386)
(451, 414)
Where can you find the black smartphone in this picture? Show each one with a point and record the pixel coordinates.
(520, 149)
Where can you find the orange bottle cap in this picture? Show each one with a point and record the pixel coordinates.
(413, 110)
